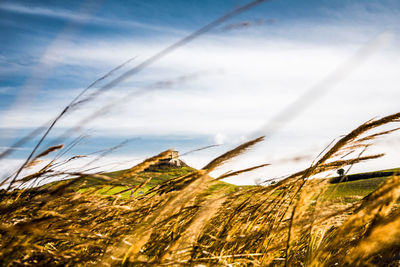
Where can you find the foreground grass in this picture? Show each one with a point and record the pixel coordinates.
(83, 228)
(182, 216)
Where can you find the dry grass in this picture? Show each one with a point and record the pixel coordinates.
(180, 221)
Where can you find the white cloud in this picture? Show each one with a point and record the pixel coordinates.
(257, 81)
(246, 82)
(219, 139)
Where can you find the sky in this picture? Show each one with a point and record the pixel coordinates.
(300, 72)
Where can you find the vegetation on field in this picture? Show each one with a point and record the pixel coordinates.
(181, 216)
(353, 190)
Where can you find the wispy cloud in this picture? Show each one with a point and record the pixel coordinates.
(245, 79)
(82, 17)
(6, 90)
(42, 11)
(246, 84)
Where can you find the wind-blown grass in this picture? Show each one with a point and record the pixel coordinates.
(137, 218)
(188, 218)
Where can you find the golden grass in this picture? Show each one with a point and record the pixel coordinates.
(183, 222)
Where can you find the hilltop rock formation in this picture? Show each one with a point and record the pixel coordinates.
(172, 161)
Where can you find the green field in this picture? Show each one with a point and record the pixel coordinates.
(359, 186)
(353, 190)
(348, 191)
(153, 178)
(345, 191)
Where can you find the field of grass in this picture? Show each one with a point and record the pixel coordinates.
(357, 186)
(353, 190)
(150, 215)
(150, 178)
(154, 178)
(181, 216)
(350, 191)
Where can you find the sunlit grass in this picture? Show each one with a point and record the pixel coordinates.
(353, 190)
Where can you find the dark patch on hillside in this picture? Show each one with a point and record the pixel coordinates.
(361, 176)
(166, 165)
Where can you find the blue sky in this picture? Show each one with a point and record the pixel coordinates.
(221, 88)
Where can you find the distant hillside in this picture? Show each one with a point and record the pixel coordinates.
(151, 177)
(353, 187)
(350, 188)
(365, 175)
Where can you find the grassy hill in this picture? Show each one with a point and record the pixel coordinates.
(146, 180)
(357, 186)
(352, 188)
